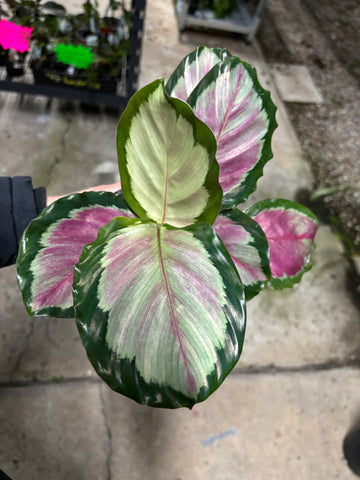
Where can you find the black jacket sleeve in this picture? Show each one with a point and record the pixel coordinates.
(19, 204)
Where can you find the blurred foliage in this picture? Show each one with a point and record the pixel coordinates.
(221, 8)
(105, 34)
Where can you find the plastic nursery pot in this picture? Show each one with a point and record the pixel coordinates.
(84, 37)
(15, 64)
(110, 25)
(3, 57)
(49, 71)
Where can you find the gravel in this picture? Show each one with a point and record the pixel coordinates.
(323, 36)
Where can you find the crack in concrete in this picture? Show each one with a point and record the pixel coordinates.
(49, 338)
(352, 362)
(109, 435)
(24, 348)
(48, 382)
(58, 158)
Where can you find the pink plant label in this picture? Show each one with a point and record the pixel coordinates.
(14, 36)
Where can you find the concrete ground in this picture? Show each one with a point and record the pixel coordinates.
(285, 409)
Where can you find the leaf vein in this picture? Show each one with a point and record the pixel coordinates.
(174, 323)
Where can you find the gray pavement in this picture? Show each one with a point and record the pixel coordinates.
(284, 410)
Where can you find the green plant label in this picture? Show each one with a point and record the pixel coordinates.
(76, 55)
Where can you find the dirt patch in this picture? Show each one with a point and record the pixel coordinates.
(323, 36)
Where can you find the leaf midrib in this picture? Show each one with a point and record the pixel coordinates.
(166, 176)
(231, 103)
(174, 322)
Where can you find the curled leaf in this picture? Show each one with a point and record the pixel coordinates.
(241, 115)
(192, 69)
(290, 229)
(248, 247)
(167, 160)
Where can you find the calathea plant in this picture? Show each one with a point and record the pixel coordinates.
(157, 276)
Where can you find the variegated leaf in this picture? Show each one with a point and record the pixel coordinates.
(160, 310)
(290, 229)
(248, 247)
(241, 115)
(52, 244)
(192, 69)
(167, 160)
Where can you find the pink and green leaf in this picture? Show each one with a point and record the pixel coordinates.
(52, 244)
(167, 160)
(290, 229)
(248, 247)
(161, 311)
(241, 115)
(192, 69)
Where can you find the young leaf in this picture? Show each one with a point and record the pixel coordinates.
(290, 229)
(241, 115)
(192, 69)
(52, 244)
(248, 247)
(160, 311)
(167, 160)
